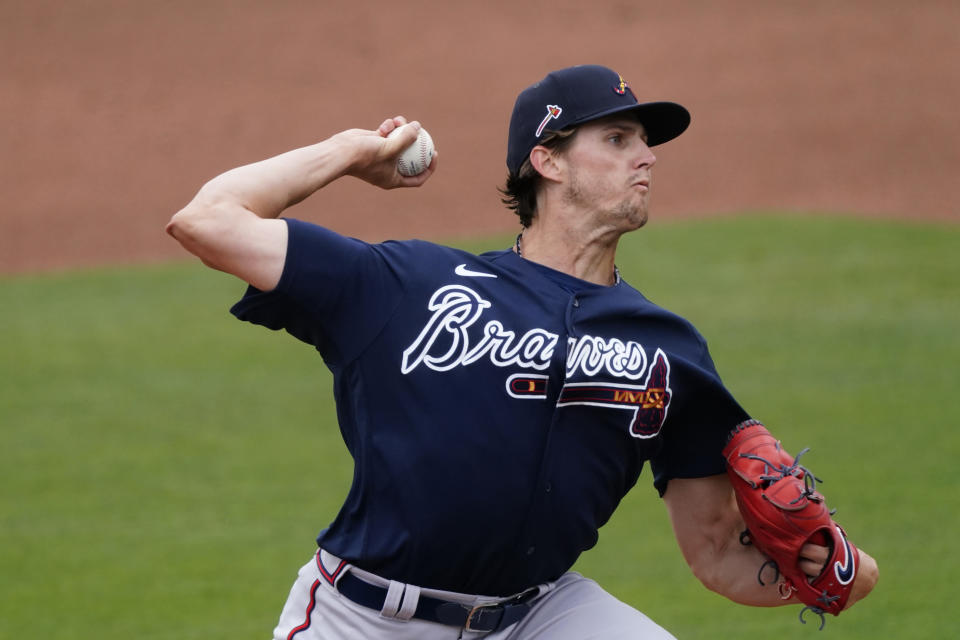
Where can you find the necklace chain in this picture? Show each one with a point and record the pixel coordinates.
(616, 270)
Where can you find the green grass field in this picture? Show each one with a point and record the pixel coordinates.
(164, 468)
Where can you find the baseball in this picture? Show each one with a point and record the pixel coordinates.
(416, 158)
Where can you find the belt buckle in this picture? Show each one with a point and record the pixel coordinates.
(479, 611)
(501, 607)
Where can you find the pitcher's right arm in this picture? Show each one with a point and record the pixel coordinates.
(231, 224)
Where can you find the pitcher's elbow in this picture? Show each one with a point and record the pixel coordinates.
(172, 226)
(708, 576)
(199, 216)
(183, 224)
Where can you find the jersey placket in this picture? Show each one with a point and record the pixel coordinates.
(533, 527)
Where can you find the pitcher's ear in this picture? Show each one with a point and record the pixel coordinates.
(547, 163)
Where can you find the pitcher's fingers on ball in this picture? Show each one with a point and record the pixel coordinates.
(402, 138)
(390, 124)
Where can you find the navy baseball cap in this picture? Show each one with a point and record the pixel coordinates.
(579, 94)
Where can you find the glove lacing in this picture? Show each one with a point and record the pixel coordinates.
(826, 599)
(773, 472)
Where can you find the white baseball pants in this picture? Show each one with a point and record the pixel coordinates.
(572, 608)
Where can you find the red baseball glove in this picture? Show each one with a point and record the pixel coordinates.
(783, 511)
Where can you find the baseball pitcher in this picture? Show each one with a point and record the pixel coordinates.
(499, 406)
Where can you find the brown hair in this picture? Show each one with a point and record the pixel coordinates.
(520, 191)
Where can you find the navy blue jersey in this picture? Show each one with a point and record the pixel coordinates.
(496, 410)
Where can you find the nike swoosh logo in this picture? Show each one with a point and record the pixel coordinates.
(844, 571)
(462, 270)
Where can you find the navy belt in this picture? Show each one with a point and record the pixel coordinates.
(485, 617)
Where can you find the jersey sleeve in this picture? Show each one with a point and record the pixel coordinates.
(335, 292)
(695, 434)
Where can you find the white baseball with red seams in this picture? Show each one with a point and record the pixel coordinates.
(416, 158)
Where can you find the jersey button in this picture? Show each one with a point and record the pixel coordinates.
(549, 487)
(531, 551)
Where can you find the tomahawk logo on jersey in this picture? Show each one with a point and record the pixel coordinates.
(647, 403)
(453, 336)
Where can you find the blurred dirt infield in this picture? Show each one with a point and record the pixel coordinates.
(115, 112)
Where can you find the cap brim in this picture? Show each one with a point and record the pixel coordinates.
(663, 121)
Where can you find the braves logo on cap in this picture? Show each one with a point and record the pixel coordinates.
(553, 111)
(621, 88)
